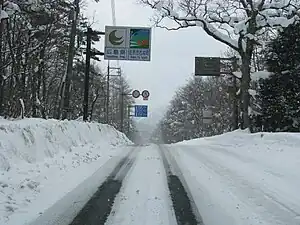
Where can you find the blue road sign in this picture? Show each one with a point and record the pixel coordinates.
(140, 110)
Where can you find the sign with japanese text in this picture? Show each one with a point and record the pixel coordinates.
(127, 43)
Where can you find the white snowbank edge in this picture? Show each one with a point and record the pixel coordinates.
(33, 140)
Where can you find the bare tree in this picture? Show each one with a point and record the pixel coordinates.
(239, 24)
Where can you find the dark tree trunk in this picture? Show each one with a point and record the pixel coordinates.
(67, 82)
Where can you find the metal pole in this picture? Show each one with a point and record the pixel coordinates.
(87, 75)
(121, 104)
(1, 61)
(234, 103)
(128, 113)
(107, 94)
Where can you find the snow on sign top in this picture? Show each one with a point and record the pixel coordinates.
(237, 74)
(260, 75)
(127, 43)
(3, 15)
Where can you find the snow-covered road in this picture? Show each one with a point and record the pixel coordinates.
(144, 197)
(246, 180)
(228, 187)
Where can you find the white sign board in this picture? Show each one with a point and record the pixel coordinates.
(207, 121)
(207, 113)
(127, 43)
(207, 116)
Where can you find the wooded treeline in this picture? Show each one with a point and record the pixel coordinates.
(42, 64)
(274, 91)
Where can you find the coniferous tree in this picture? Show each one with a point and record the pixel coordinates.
(280, 93)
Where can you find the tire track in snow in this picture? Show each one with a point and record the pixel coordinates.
(98, 208)
(144, 197)
(184, 206)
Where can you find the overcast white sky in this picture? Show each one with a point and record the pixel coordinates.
(173, 52)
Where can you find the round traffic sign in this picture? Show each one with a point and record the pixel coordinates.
(145, 94)
(136, 93)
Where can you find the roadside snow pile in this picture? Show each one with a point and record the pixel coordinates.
(275, 148)
(243, 138)
(33, 140)
(243, 178)
(45, 159)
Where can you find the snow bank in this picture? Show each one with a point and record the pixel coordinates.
(33, 140)
(38, 156)
(273, 149)
(243, 178)
(244, 137)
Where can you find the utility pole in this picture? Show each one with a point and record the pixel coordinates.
(121, 104)
(1, 20)
(65, 98)
(107, 93)
(87, 75)
(128, 114)
(1, 61)
(109, 75)
(91, 35)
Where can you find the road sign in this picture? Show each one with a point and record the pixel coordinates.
(136, 94)
(145, 94)
(207, 66)
(127, 43)
(140, 110)
(207, 116)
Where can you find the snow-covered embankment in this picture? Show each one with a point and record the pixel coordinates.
(241, 178)
(42, 160)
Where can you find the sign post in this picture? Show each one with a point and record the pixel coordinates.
(207, 116)
(127, 43)
(212, 66)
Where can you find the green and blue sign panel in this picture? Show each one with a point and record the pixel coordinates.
(127, 43)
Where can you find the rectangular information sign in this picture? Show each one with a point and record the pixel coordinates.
(127, 43)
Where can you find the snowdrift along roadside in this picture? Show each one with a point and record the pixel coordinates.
(42, 160)
(243, 178)
(33, 140)
(279, 150)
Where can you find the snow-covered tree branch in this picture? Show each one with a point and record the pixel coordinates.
(240, 24)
